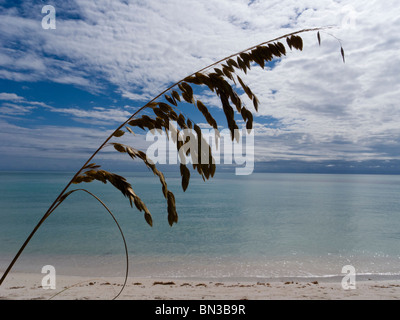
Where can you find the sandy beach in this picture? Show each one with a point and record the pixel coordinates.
(20, 286)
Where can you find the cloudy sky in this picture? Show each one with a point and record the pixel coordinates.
(63, 90)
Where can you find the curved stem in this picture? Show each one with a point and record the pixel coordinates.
(54, 204)
(122, 235)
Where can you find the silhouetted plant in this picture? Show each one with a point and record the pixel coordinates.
(221, 79)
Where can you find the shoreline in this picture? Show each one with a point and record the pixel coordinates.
(28, 286)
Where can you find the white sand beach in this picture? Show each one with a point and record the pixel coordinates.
(22, 286)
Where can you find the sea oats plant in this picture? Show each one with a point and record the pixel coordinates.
(221, 79)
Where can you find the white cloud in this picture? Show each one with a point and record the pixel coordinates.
(18, 106)
(51, 143)
(326, 109)
(95, 115)
(334, 110)
(15, 110)
(103, 116)
(10, 96)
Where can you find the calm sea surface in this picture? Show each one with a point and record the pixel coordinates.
(258, 226)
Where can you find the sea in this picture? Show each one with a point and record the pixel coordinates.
(260, 227)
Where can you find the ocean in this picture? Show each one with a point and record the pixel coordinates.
(257, 227)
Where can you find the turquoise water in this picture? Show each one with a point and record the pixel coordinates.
(258, 226)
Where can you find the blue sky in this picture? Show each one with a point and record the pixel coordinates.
(62, 91)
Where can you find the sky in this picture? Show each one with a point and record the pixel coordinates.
(64, 90)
